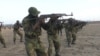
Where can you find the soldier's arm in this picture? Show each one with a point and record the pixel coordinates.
(45, 26)
(24, 23)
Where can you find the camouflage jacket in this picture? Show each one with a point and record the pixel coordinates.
(51, 27)
(28, 24)
(16, 26)
(73, 27)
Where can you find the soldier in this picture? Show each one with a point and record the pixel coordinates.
(70, 32)
(33, 44)
(52, 27)
(60, 27)
(52, 31)
(16, 30)
(71, 29)
(1, 38)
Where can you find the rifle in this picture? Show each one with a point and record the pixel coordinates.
(54, 16)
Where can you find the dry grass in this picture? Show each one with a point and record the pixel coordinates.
(87, 44)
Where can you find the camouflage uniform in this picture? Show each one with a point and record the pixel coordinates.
(70, 32)
(52, 31)
(33, 44)
(71, 28)
(16, 30)
(1, 38)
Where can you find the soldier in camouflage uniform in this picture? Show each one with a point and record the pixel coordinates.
(70, 30)
(52, 31)
(16, 30)
(33, 44)
(1, 38)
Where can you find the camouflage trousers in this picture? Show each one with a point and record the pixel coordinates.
(34, 47)
(71, 37)
(2, 40)
(15, 34)
(53, 41)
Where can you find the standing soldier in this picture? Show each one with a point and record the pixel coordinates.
(33, 44)
(16, 30)
(71, 29)
(52, 32)
(70, 32)
(1, 38)
(52, 27)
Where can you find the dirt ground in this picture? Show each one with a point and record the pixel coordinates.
(87, 44)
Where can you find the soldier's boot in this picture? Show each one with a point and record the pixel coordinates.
(14, 40)
(73, 42)
(4, 46)
(40, 52)
(57, 52)
(73, 39)
(69, 44)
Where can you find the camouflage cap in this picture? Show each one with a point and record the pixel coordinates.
(33, 11)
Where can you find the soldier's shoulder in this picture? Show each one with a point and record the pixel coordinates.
(25, 19)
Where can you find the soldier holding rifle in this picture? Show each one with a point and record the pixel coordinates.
(33, 44)
(52, 29)
(71, 29)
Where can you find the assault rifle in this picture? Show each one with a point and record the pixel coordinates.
(54, 16)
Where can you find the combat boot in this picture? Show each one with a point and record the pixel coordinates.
(73, 43)
(4, 46)
(57, 54)
(69, 44)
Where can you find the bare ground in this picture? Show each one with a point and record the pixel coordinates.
(87, 44)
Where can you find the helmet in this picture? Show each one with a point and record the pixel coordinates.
(33, 11)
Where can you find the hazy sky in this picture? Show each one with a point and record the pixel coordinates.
(12, 10)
